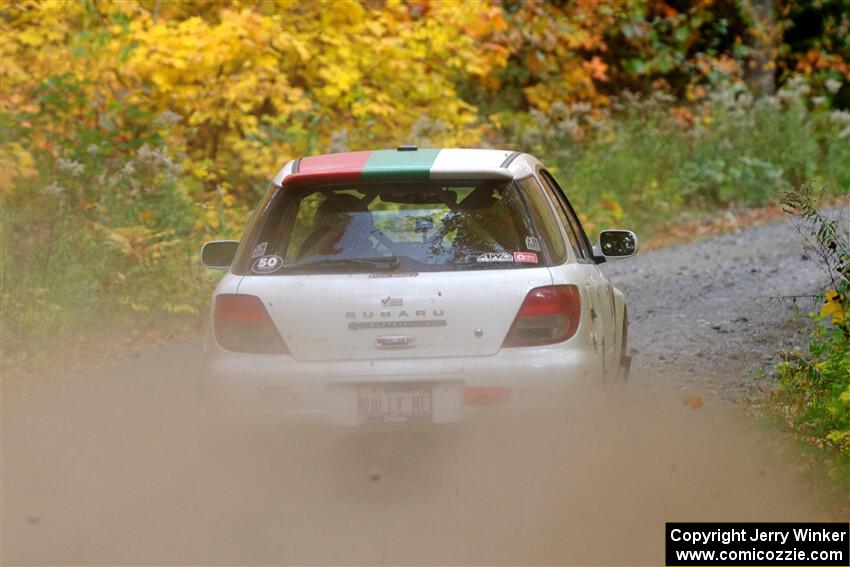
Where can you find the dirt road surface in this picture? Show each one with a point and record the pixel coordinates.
(112, 466)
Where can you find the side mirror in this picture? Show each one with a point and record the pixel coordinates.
(219, 254)
(615, 244)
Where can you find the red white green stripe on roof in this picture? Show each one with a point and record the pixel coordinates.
(376, 165)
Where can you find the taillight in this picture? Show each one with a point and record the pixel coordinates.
(242, 324)
(548, 315)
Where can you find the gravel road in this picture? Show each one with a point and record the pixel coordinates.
(709, 316)
(111, 466)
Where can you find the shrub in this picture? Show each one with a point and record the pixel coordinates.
(813, 390)
(97, 226)
(645, 160)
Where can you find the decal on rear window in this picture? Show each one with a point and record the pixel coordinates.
(267, 264)
(532, 243)
(259, 249)
(495, 257)
(526, 257)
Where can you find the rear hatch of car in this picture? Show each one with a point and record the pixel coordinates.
(387, 254)
(394, 315)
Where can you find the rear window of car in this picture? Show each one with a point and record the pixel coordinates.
(405, 227)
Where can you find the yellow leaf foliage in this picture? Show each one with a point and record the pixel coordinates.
(251, 85)
(834, 307)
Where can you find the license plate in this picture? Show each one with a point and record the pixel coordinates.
(394, 404)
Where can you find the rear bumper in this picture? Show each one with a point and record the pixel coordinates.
(250, 385)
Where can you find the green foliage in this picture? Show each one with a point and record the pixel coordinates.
(101, 227)
(647, 159)
(813, 392)
(813, 389)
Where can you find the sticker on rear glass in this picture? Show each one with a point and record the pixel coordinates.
(532, 243)
(526, 257)
(267, 264)
(260, 249)
(495, 257)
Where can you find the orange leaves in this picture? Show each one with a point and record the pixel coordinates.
(488, 20)
(815, 59)
(596, 68)
(557, 47)
(692, 401)
(683, 116)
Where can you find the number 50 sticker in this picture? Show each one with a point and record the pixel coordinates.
(267, 264)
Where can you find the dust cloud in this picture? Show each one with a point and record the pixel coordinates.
(114, 466)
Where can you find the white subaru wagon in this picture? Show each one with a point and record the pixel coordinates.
(410, 285)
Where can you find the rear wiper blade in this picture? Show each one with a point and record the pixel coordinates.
(383, 262)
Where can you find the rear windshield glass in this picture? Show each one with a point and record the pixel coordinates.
(403, 227)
